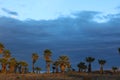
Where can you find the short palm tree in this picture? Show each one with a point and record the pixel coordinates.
(82, 67)
(64, 63)
(19, 67)
(1, 48)
(3, 62)
(12, 64)
(101, 62)
(24, 66)
(56, 64)
(47, 57)
(89, 60)
(38, 69)
(34, 59)
(114, 69)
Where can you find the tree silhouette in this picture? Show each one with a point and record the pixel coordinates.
(3, 62)
(12, 64)
(101, 62)
(82, 67)
(64, 63)
(89, 60)
(56, 64)
(47, 57)
(114, 69)
(34, 59)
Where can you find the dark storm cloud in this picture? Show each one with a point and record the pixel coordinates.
(77, 36)
(10, 12)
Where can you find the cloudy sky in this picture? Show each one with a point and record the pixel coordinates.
(76, 28)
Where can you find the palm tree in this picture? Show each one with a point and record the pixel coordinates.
(82, 66)
(6, 54)
(34, 59)
(89, 60)
(1, 48)
(19, 67)
(64, 63)
(47, 57)
(3, 62)
(56, 64)
(114, 69)
(24, 66)
(12, 64)
(101, 62)
(38, 69)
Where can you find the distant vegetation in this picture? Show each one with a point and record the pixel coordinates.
(10, 64)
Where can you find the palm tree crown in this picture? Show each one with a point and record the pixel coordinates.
(90, 59)
(1, 47)
(47, 55)
(6, 54)
(35, 57)
(102, 62)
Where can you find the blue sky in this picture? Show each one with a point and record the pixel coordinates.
(76, 28)
(51, 9)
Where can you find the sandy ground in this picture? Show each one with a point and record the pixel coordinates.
(59, 76)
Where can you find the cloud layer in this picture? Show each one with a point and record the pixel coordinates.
(77, 37)
(10, 12)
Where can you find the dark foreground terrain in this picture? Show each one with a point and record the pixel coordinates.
(60, 76)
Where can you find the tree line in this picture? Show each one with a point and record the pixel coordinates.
(9, 64)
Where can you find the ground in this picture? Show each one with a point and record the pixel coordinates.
(60, 76)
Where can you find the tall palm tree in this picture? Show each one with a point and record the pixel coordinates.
(101, 62)
(1, 48)
(6, 54)
(3, 62)
(47, 57)
(12, 64)
(64, 62)
(89, 60)
(82, 66)
(34, 59)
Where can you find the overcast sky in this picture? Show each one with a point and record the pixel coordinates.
(77, 28)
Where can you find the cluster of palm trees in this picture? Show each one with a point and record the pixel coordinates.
(62, 64)
(10, 64)
(82, 66)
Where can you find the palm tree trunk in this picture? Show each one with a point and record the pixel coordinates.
(12, 69)
(3, 68)
(48, 67)
(33, 67)
(23, 70)
(78, 69)
(101, 69)
(56, 69)
(19, 68)
(62, 68)
(89, 67)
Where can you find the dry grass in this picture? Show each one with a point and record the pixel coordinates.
(59, 76)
